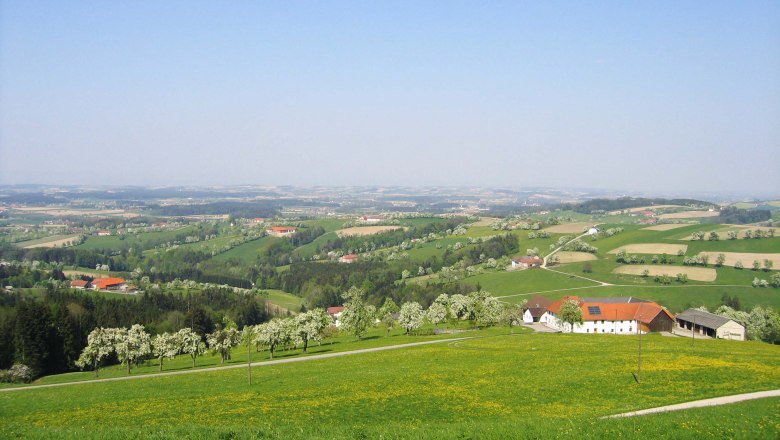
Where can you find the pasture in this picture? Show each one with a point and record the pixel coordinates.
(574, 257)
(570, 228)
(47, 242)
(689, 214)
(477, 388)
(746, 258)
(651, 248)
(665, 227)
(693, 273)
(366, 230)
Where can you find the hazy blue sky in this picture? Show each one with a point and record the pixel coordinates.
(655, 96)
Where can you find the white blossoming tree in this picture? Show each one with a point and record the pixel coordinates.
(512, 315)
(270, 334)
(190, 343)
(357, 315)
(461, 306)
(132, 345)
(386, 314)
(487, 308)
(309, 325)
(223, 340)
(165, 346)
(437, 313)
(411, 316)
(100, 344)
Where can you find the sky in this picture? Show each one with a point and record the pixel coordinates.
(654, 96)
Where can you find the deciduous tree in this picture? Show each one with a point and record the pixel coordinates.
(570, 313)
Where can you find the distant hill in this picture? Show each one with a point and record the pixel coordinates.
(597, 205)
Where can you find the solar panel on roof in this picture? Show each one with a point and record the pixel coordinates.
(594, 310)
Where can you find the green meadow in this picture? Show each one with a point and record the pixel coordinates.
(498, 386)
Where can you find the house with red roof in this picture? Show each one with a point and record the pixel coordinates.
(349, 258)
(526, 262)
(80, 284)
(281, 231)
(372, 218)
(620, 316)
(335, 313)
(113, 284)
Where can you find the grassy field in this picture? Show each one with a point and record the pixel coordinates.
(496, 387)
(50, 241)
(285, 300)
(144, 239)
(247, 252)
(525, 281)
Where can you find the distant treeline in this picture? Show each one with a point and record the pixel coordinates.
(740, 216)
(237, 209)
(596, 205)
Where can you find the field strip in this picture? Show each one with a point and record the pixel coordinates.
(685, 286)
(602, 283)
(715, 401)
(253, 364)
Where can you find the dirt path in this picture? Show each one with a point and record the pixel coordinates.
(254, 364)
(724, 400)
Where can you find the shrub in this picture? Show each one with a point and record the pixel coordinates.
(20, 373)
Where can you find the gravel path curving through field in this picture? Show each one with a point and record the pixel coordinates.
(715, 401)
(254, 364)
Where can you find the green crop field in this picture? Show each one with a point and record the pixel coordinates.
(495, 387)
(145, 239)
(525, 281)
(247, 252)
(284, 300)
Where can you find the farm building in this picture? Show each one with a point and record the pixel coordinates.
(335, 313)
(535, 308)
(372, 218)
(349, 258)
(116, 284)
(698, 322)
(80, 284)
(526, 262)
(622, 316)
(281, 231)
(103, 233)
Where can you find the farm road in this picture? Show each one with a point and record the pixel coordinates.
(715, 401)
(254, 364)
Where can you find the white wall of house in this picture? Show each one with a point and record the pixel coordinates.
(625, 327)
(527, 318)
(731, 330)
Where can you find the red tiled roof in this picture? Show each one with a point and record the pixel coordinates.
(334, 310)
(556, 306)
(282, 228)
(102, 283)
(79, 283)
(350, 257)
(643, 312)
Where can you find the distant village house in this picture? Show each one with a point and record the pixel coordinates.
(281, 231)
(526, 262)
(349, 258)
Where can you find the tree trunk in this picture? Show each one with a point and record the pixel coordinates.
(193, 361)
(305, 344)
(161, 361)
(96, 367)
(128, 366)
